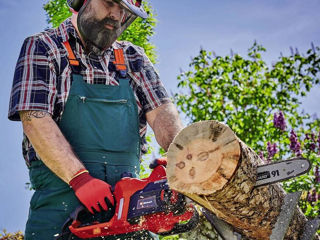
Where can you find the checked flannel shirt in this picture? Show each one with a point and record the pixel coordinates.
(42, 77)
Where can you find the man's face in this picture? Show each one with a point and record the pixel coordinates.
(99, 24)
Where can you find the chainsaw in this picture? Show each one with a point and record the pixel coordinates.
(141, 204)
(149, 204)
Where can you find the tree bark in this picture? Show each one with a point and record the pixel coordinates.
(209, 164)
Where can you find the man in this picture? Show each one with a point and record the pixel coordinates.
(84, 100)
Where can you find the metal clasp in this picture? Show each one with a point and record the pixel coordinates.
(83, 99)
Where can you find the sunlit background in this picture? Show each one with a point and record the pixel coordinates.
(183, 27)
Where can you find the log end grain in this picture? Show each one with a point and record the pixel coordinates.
(202, 158)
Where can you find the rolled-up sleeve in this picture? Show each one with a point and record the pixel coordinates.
(152, 92)
(34, 83)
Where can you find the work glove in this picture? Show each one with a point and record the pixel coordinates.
(93, 193)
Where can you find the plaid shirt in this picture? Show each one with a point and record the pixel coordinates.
(42, 77)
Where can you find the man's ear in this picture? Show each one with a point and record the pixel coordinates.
(76, 4)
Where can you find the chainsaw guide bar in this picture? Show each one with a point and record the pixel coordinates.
(281, 170)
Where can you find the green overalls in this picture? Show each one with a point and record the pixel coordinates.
(101, 124)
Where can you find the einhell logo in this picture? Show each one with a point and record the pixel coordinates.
(148, 202)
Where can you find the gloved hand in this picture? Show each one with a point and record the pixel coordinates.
(92, 191)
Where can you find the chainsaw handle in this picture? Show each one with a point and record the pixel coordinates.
(66, 234)
(84, 230)
(81, 213)
(74, 215)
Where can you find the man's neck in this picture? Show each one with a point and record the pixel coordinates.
(74, 23)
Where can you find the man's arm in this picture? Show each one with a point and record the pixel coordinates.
(166, 124)
(56, 153)
(50, 144)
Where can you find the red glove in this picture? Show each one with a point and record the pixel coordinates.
(92, 191)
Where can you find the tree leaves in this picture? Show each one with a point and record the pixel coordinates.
(245, 92)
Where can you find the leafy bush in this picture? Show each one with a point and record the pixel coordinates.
(262, 105)
(11, 236)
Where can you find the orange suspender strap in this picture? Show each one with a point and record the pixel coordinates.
(119, 60)
(72, 59)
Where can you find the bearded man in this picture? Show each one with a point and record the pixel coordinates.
(84, 100)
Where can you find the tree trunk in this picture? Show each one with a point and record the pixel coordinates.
(209, 164)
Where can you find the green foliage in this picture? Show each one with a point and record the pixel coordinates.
(4, 235)
(308, 185)
(139, 32)
(57, 11)
(245, 93)
(173, 237)
(147, 158)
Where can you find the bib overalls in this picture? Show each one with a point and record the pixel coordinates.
(101, 123)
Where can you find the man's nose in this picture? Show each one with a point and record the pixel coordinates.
(116, 13)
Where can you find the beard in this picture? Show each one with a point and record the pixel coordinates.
(97, 38)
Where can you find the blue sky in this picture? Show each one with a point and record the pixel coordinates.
(183, 27)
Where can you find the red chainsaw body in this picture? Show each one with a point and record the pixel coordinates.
(124, 189)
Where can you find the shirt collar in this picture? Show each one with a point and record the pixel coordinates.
(66, 29)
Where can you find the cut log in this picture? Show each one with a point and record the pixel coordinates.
(204, 157)
(209, 164)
